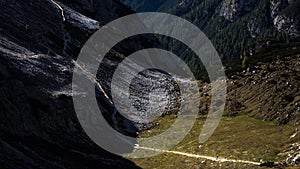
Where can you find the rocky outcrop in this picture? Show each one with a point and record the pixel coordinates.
(285, 16)
(232, 10)
(292, 154)
(286, 24)
(256, 28)
(276, 6)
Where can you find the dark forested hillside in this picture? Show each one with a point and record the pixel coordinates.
(233, 25)
(150, 5)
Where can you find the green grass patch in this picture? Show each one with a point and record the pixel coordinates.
(241, 137)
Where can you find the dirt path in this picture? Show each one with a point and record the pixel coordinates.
(216, 159)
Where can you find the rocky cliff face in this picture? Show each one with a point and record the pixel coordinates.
(234, 9)
(284, 16)
(39, 40)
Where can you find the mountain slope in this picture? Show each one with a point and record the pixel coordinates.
(233, 25)
(150, 5)
(260, 122)
(39, 40)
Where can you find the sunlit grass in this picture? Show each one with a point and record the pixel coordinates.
(240, 137)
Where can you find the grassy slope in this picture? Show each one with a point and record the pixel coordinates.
(239, 137)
